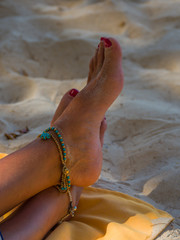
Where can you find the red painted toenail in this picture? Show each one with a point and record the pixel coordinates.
(73, 92)
(107, 42)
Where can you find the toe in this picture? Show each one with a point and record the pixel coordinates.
(100, 56)
(112, 65)
(91, 70)
(66, 99)
(95, 59)
(93, 66)
(103, 128)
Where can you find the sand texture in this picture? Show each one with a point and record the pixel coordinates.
(45, 48)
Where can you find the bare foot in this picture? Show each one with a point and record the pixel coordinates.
(48, 204)
(81, 120)
(80, 123)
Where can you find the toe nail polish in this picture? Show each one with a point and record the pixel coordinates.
(73, 92)
(107, 42)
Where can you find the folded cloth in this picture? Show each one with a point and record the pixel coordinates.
(110, 215)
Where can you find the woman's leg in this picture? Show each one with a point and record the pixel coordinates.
(39, 214)
(26, 172)
(36, 167)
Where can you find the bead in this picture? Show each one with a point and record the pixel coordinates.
(65, 179)
(45, 136)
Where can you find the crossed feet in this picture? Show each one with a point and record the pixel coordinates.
(81, 122)
(80, 117)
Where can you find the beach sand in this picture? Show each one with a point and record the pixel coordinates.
(45, 48)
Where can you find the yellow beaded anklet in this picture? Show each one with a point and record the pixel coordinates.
(71, 209)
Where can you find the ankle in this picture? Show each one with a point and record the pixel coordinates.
(52, 163)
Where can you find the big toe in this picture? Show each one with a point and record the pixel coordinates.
(103, 128)
(112, 65)
(65, 101)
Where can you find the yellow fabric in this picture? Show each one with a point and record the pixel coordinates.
(2, 155)
(110, 215)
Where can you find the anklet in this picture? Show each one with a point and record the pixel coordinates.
(65, 182)
(71, 209)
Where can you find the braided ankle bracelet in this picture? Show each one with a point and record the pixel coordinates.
(65, 182)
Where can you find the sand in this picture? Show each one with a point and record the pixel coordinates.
(45, 48)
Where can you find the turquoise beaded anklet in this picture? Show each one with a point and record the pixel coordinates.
(65, 182)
